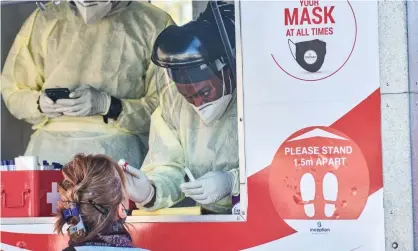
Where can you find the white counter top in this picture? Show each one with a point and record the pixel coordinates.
(132, 219)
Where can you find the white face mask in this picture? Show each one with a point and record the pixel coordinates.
(92, 12)
(213, 110)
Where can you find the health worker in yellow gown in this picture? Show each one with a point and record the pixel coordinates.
(195, 127)
(100, 51)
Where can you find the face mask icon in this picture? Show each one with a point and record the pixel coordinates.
(310, 55)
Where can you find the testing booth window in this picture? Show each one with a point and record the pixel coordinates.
(203, 117)
(195, 158)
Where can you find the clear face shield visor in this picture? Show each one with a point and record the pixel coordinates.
(207, 91)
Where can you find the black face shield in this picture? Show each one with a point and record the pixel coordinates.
(194, 52)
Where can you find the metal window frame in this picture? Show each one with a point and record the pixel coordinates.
(241, 136)
(243, 175)
(412, 28)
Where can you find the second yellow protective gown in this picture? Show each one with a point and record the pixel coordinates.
(55, 48)
(179, 139)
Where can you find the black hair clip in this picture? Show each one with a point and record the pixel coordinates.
(103, 210)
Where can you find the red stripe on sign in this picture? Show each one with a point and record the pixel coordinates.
(361, 124)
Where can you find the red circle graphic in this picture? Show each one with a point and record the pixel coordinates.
(344, 199)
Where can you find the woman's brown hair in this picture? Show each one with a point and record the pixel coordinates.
(90, 180)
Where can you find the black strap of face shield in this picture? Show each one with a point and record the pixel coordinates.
(224, 36)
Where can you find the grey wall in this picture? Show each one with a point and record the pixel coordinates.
(14, 133)
(412, 10)
(398, 36)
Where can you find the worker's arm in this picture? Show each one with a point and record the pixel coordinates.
(23, 72)
(164, 163)
(134, 115)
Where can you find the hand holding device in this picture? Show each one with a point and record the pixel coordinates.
(138, 186)
(210, 188)
(48, 107)
(57, 93)
(85, 101)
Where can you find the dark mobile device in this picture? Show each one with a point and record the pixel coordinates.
(57, 93)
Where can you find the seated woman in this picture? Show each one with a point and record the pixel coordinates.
(93, 202)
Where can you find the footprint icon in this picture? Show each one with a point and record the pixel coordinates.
(330, 190)
(307, 190)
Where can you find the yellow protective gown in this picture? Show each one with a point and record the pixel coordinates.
(55, 48)
(178, 139)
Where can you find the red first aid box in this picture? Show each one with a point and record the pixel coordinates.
(29, 193)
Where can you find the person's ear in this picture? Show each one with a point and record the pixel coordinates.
(121, 212)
